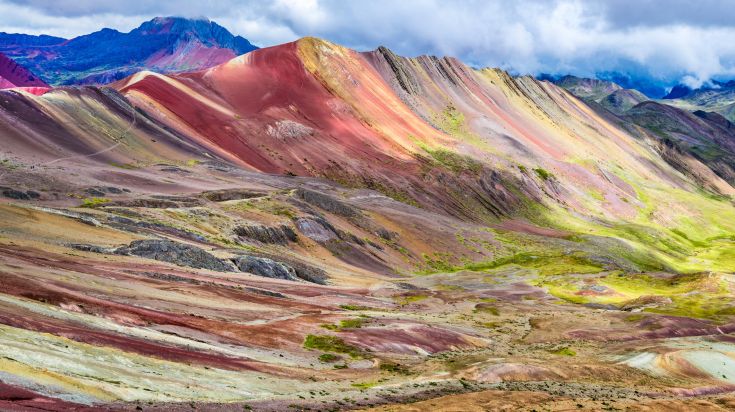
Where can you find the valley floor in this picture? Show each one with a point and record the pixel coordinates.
(88, 322)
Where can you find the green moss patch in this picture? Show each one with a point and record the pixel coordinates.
(485, 308)
(328, 343)
(354, 307)
(94, 201)
(543, 173)
(405, 300)
(328, 358)
(455, 162)
(564, 352)
(393, 367)
(346, 324)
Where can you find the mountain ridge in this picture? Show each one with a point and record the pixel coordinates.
(14, 75)
(165, 44)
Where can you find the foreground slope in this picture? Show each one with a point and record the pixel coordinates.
(307, 225)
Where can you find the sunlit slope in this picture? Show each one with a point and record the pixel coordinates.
(476, 144)
(599, 179)
(87, 125)
(314, 108)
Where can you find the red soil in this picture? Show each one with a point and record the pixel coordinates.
(14, 75)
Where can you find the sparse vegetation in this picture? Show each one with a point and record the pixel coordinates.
(393, 367)
(329, 343)
(543, 173)
(8, 164)
(405, 300)
(455, 162)
(128, 166)
(564, 352)
(484, 308)
(328, 358)
(354, 323)
(354, 307)
(438, 262)
(94, 201)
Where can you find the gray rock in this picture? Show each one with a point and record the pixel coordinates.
(99, 191)
(93, 191)
(327, 203)
(232, 194)
(176, 253)
(280, 235)
(138, 226)
(265, 267)
(15, 194)
(386, 234)
(316, 229)
(90, 248)
(148, 203)
(309, 273)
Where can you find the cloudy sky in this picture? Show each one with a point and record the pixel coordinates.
(667, 40)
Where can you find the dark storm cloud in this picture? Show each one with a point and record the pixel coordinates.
(672, 40)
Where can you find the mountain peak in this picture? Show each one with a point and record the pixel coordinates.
(586, 88)
(173, 24)
(678, 91)
(162, 44)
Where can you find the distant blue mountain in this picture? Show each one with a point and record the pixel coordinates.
(645, 84)
(163, 44)
(678, 91)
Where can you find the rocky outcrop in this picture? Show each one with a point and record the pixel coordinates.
(91, 248)
(177, 253)
(279, 235)
(327, 203)
(280, 268)
(160, 202)
(316, 229)
(265, 267)
(231, 194)
(99, 191)
(192, 256)
(309, 273)
(288, 129)
(19, 194)
(141, 226)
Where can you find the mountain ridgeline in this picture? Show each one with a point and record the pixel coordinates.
(164, 44)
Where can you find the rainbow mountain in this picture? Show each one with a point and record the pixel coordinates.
(313, 226)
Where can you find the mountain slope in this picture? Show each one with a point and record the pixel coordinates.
(706, 135)
(622, 100)
(593, 89)
(15, 75)
(164, 44)
(719, 98)
(478, 145)
(608, 94)
(313, 108)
